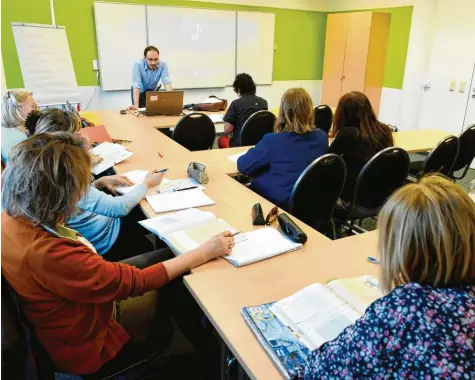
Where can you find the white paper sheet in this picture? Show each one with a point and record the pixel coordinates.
(235, 157)
(179, 200)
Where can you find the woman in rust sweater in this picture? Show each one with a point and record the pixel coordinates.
(67, 291)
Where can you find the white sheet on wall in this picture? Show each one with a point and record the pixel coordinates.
(45, 62)
(255, 45)
(121, 34)
(199, 45)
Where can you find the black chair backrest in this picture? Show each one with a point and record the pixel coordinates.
(467, 149)
(384, 173)
(195, 131)
(315, 193)
(256, 126)
(323, 117)
(442, 158)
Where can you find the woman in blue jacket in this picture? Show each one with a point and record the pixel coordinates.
(277, 161)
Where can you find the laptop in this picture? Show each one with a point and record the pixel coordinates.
(97, 134)
(164, 103)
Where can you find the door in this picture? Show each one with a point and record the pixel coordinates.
(356, 52)
(334, 57)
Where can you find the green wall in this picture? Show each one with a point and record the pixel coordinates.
(299, 36)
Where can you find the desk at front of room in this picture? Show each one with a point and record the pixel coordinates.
(219, 288)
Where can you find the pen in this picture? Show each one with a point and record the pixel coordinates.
(187, 188)
(161, 171)
(373, 260)
(160, 155)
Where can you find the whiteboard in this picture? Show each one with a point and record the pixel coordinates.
(255, 45)
(45, 62)
(121, 34)
(199, 45)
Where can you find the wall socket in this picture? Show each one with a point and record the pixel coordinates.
(95, 65)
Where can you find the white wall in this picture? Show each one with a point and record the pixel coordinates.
(93, 98)
(310, 5)
(452, 59)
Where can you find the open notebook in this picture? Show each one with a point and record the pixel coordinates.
(178, 200)
(292, 327)
(111, 154)
(167, 185)
(188, 229)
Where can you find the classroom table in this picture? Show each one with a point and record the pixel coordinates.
(222, 295)
(220, 288)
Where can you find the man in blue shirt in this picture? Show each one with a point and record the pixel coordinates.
(146, 75)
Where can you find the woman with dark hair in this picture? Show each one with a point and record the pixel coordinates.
(240, 110)
(358, 136)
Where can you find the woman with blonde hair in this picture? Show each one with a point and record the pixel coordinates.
(88, 313)
(424, 327)
(358, 136)
(277, 161)
(16, 105)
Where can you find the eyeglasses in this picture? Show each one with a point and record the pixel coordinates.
(272, 216)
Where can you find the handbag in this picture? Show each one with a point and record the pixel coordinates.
(198, 172)
(216, 106)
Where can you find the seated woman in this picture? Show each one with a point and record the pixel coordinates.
(109, 223)
(358, 136)
(277, 161)
(424, 327)
(240, 110)
(77, 302)
(16, 105)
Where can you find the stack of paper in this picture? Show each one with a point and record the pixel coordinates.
(111, 154)
(235, 157)
(178, 200)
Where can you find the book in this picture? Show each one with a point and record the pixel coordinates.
(216, 119)
(111, 154)
(186, 230)
(259, 245)
(235, 157)
(178, 200)
(291, 328)
(138, 176)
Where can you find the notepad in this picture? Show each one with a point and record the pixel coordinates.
(235, 157)
(186, 230)
(111, 154)
(309, 318)
(179, 200)
(135, 176)
(216, 119)
(259, 245)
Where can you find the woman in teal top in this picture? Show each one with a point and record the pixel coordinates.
(16, 105)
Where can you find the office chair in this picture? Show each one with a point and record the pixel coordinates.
(195, 131)
(466, 152)
(256, 126)
(323, 117)
(441, 159)
(384, 173)
(317, 190)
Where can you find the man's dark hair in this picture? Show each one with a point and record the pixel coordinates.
(244, 84)
(150, 48)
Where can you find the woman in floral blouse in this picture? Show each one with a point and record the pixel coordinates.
(424, 328)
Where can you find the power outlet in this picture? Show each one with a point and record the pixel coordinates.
(95, 65)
